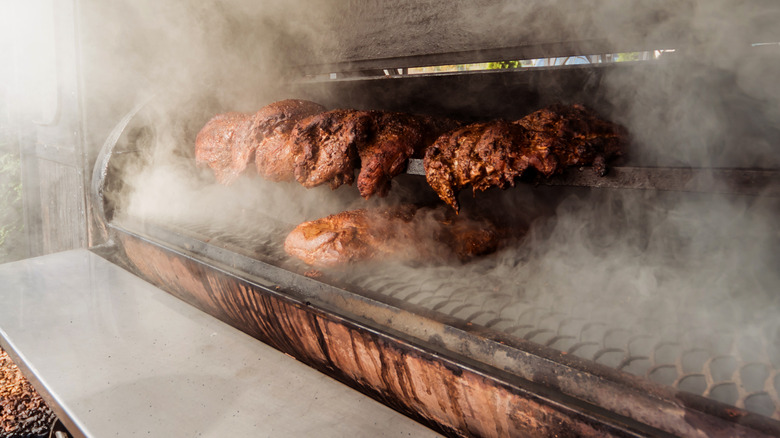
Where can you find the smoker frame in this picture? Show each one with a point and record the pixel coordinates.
(570, 394)
(313, 321)
(588, 415)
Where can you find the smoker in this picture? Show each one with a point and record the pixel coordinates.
(613, 317)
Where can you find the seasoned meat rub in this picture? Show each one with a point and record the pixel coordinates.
(489, 154)
(217, 143)
(494, 154)
(576, 135)
(327, 147)
(394, 138)
(403, 233)
(330, 146)
(268, 134)
(229, 142)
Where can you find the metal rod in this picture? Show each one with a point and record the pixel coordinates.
(733, 181)
(701, 180)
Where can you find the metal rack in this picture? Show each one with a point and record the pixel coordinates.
(730, 181)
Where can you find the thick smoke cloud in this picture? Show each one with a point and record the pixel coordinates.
(695, 271)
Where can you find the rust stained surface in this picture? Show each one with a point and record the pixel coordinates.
(454, 400)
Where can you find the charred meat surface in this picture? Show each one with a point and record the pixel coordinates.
(327, 145)
(268, 134)
(404, 233)
(230, 141)
(489, 154)
(394, 138)
(334, 240)
(494, 154)
(576, 135)
(218, 141)
(297, 138)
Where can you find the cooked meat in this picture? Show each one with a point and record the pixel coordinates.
(403, 233)
(325, 146)
(470, 238)
(268, 134)
(576, 135)
(489, 154)
(494, 154)
(229, 142)
(296, 138)
(334, 240)
(394, 138)
(217, 142)
(331, 145)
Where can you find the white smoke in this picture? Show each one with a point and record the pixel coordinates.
(688, 269)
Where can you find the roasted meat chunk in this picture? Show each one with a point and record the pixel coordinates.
(576, 135)
(326, 147)
(337, 239)
(393, 139)
(230, 141)
(494, 154)
(218, 141)
(331, 145)
(268, 134)
(404, 233)
(489, 154)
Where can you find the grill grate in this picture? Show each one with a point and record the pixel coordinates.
(734, 365)
(731, 367)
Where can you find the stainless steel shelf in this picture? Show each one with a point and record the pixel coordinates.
(113, 355)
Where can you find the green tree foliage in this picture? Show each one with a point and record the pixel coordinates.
(500, 65)
(504, 65)
(628, 56)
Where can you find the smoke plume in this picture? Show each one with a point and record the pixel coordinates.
(698, 272)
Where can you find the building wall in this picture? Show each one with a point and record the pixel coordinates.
(44, 123)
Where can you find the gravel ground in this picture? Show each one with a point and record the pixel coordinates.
(22, 411)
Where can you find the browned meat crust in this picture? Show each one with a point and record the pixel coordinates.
(494, 154)
(230, 141)
(268, 135)
(403, 233)
(576, 135)
(489, 154)
(394, 138)
(327, 147)
(298, 138)
(334, 240)
(217, 142)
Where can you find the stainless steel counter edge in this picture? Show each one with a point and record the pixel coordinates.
(115, 356)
